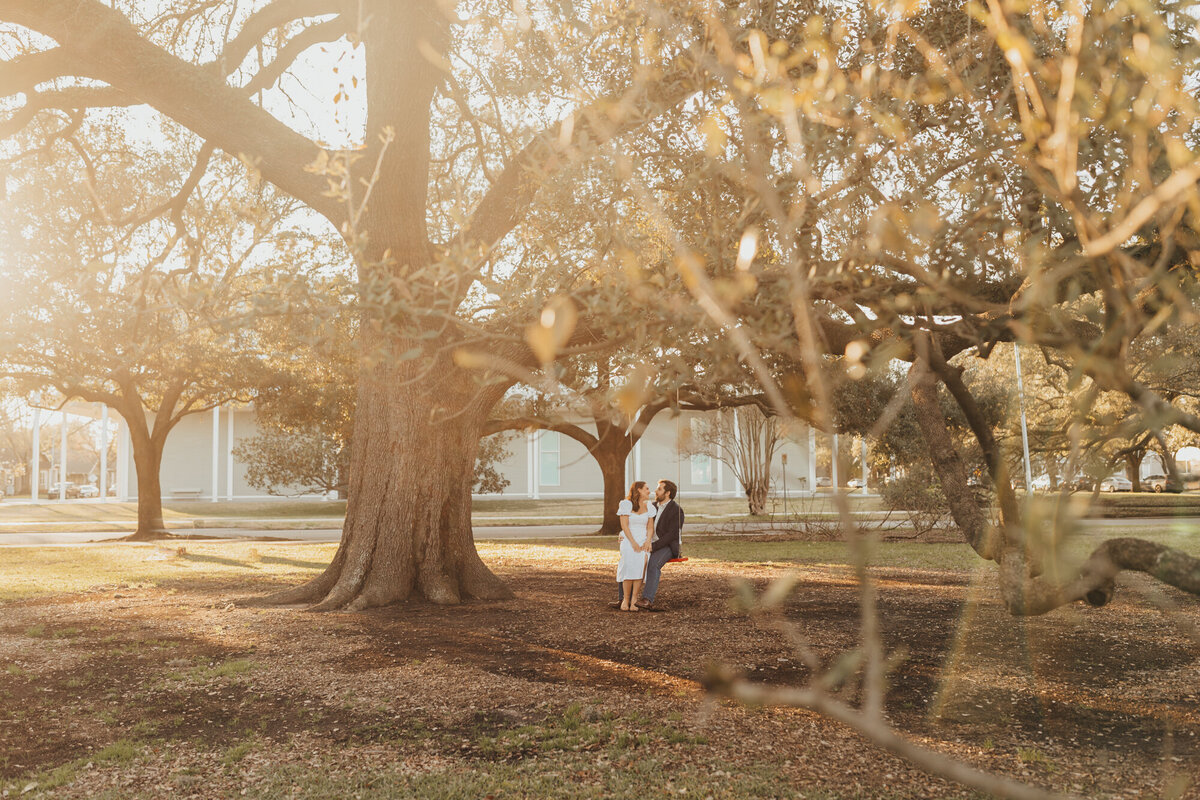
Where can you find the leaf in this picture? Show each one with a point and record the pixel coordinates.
(553, 329)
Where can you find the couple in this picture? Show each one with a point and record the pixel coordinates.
(649, 538)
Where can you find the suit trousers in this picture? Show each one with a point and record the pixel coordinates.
(654, 566)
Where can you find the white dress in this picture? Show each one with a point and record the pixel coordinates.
(632, 566)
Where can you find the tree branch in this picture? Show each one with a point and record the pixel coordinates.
(106, 46)
(267, 19)
(506, 201)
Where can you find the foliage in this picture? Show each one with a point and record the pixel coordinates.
(917, 494)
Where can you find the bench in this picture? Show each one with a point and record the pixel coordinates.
(676, 560)
(193, 493)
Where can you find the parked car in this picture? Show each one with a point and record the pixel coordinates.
(88, 491)
(1081, 483)
(1155, 483)
(1116, 483)
(823, 483)
(1041, 482)
(855, 483)
(56, 491)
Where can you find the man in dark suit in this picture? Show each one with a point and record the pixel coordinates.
(668, 524)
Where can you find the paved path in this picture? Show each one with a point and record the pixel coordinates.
(496, 532)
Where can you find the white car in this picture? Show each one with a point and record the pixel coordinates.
(1116, 483)
(88, 491)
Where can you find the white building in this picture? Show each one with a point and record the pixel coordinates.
(198, 461)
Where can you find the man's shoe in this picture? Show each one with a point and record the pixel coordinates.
(644, 603)
(614, 605)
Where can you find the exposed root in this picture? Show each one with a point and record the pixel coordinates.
(149, 535)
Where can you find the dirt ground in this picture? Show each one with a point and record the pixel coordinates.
(185, 689)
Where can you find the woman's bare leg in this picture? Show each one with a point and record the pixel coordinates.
(637, 594)
(627, 599)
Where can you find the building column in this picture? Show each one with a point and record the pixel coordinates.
(833, 476)
(216, 453)
(812, 459)
(637, 460)
(103, 453)
(35, 472)
(529, 464)
(535, 471)
(229, 455)
(62, 458)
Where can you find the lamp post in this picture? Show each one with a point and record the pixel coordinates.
(1024, 427)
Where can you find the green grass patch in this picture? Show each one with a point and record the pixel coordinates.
(238, 751)
(226, 669)
(121, 751)
(1124, 505)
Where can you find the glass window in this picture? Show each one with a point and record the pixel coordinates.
(548, 458)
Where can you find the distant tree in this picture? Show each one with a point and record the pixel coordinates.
(141, 300)
(619, 396)
(745, 440)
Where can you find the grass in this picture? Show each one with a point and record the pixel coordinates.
(644, 774)
(187, 513)
(27, 572)
(119, 752)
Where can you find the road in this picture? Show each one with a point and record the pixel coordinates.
(491, 532)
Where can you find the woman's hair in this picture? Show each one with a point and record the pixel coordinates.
(633, 493)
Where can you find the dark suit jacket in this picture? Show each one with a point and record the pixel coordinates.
(667, 527)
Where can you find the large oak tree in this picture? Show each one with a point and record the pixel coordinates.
(448, 167)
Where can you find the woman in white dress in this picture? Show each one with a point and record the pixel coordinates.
(637, 531)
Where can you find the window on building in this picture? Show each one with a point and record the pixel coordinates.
(548, 458)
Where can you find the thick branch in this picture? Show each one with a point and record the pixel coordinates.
(1026, 596)
(529, 423)
(23, 73)
(109, 48)
(267, 19)
(951, 470)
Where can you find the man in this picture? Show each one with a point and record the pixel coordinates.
(668, 524)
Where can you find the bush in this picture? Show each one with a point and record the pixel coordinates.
(919, 496)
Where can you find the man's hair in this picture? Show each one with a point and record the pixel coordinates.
(672, 489)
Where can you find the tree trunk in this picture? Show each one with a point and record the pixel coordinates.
(408, 516)
(756, 497)
(147, 462)
(1133, 465)
(612, 468)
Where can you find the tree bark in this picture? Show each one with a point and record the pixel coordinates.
(1133, 465)
(1025, 589)
(948, 464)
(612, 470)
(612, 449)
(408, 518)
(756, 497)
(147, 461)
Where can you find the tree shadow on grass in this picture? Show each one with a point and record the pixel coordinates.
(229, 562)
(293, 562)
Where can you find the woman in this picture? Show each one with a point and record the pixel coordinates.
(637, 530)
